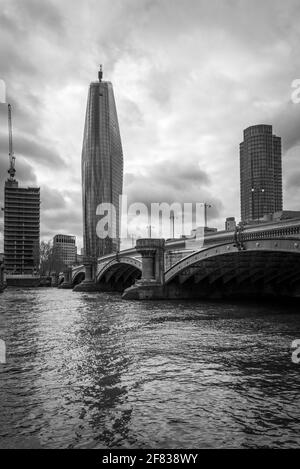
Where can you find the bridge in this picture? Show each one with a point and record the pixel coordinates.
(261, 260)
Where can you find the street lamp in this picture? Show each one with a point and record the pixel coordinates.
(172, 218)
(252, 198)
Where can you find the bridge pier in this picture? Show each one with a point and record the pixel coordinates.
(151, 285)
(88, 272)
(54, 279)
(67, 283)
(88, 284)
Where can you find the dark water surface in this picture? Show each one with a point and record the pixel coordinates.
(94, 371)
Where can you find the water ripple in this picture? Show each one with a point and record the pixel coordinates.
(94, 371)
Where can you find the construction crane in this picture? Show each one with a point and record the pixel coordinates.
(12, 159)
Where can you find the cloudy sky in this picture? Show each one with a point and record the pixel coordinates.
(188, 75)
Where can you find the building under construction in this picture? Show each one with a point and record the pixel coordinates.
(21, 226)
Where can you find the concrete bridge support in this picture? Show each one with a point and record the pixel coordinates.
(151, 285)
(54, 279)
(89, 283)
(67, 283)
(89, 268)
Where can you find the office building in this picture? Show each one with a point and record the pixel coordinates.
(260, 173)
(64, 249)
(230, 224)
(102, 167)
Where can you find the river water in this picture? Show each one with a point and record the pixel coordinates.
(94, 371)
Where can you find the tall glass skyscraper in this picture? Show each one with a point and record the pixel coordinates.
(261, 173)
(102, 166)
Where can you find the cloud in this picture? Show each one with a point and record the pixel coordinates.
(60, 212)
(287, 124)
(293, 181)
(183, 182)
(188, 78)
(33, 151)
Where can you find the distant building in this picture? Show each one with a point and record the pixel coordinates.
(79, 259)
(21, 228)
(230, 224)
(260, 173)
(102, 167)
(64, 249)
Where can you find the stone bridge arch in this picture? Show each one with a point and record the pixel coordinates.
(78, 277)
(119, 273)
(73, 276)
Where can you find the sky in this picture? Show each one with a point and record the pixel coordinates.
(188, 77)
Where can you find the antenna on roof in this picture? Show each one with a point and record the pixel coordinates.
(100, 73)
(12, 159)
